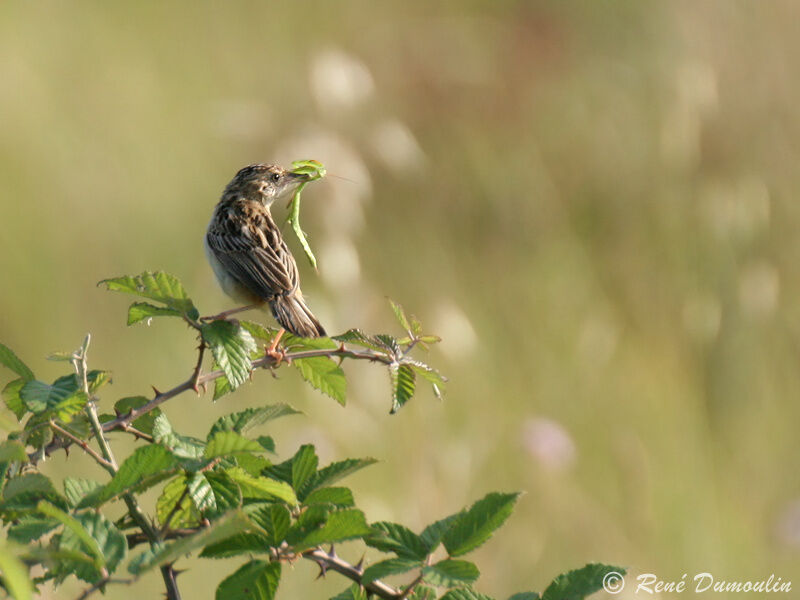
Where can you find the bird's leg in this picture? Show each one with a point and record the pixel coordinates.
(272, 352)
(226, 313)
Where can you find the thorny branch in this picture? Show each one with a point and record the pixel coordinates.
(327, 561)
(110, 464)
(195, 381)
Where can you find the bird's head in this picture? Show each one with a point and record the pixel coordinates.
(264, 183)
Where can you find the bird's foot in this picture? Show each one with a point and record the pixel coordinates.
(223, 316)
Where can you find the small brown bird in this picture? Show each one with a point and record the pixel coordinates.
(248, 253)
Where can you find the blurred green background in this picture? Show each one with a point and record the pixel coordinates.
(593, 203)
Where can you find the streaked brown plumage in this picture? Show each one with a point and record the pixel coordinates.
(248, 254)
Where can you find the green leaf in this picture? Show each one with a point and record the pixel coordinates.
(243, 421)
(476, 525)
(400, 314)
(144, 423)
(429, 374)
(432, 534)
(300, 343)
(228, 525)
(466, 594)
(12, 361)
(227, 494)
(111, 543)
(96, 379)
(226, 443)
(324, 374)
(258, 331)
(423, 592)
(450, 573)
(77, 489)
(159, 286)
(231, 346)
(29, 529)
(336, 471)
(144, 468)
(221, 385)
(524, 596)
(403, 384)
(242, 543)
(304, 466)
(39, 396)
(393, 537)
(67, 408)
(175, 504)
(71, 524)
(579, 583)
(201, 493)
(262, 487)
(354, 592)
(255, 580)
(273, 519)
(15, 575)
(390, 566)
(182, 446)
(359, 338)
(25, 491)
(340, 497)
(255, 465)
(12, 398)
(12, 451)
(140, 311)
(340, 525)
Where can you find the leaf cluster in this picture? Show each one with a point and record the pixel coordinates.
(227, 494)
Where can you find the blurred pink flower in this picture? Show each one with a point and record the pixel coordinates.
(549, 443)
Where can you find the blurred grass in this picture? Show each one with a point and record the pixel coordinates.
(593, 203)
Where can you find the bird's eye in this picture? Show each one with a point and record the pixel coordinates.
(276, 177)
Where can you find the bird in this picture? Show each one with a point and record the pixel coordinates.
(248, 254)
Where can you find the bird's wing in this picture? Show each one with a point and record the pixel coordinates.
(252, 249)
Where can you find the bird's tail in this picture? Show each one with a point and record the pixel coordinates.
(295, 317)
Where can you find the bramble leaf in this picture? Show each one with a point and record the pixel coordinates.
(476, 525)
(262, 487)
(340, 525)
(336, 471)
(231, 346)
(142, 311)
(390, 566)
(579, 583)
(245, 420)
(225, 443)
(393, 537)
(144, 468)
(273, 519)
(324, 374)
(175, 504)
(76, 489)
(450, 573)
(13, 362)
(12, 398)
(304, 466)
(255, 580)
(225, 527)
(15, 576)
(159, 286)
(340, 497)
(403, 384)
(465, 593)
